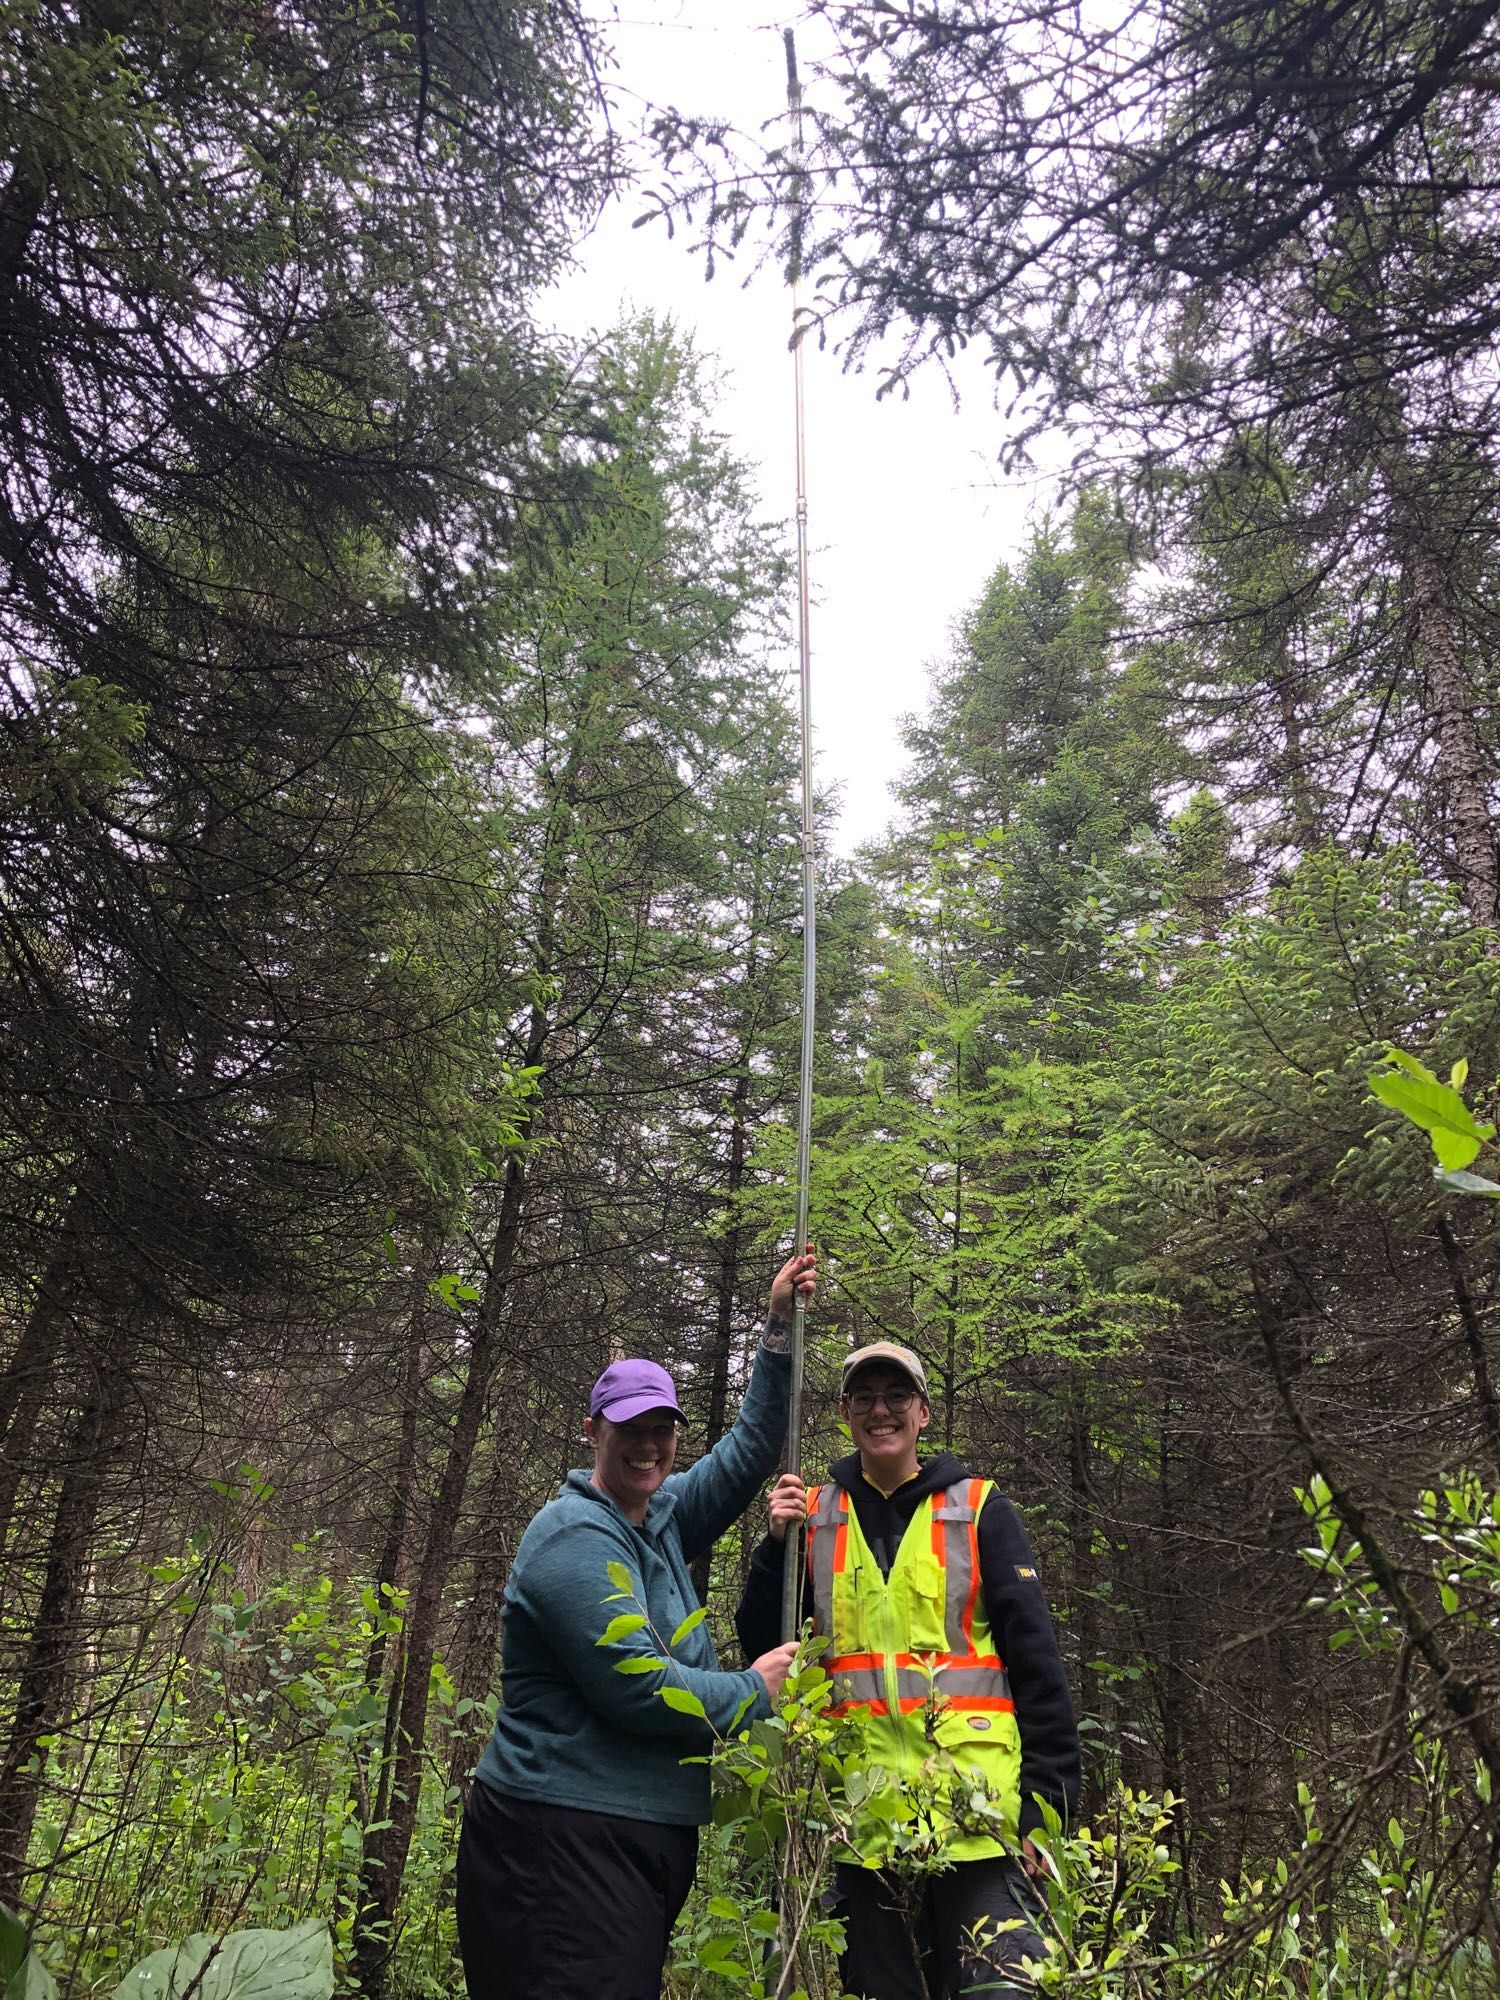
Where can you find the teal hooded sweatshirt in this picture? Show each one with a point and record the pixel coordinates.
(571, 1730)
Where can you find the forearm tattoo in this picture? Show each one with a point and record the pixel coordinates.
(777, 1337)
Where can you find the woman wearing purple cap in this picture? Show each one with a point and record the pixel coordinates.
(581, 1833)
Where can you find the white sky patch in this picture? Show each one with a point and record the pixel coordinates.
(907, 514)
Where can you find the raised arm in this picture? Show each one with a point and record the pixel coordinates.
(718, 1489)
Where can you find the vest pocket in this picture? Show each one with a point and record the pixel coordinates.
(985, 1741)
(926, 1589)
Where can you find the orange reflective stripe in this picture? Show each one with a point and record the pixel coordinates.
(814, 1493)
(1000, 1703)
(848, 1663)
(823, 1556)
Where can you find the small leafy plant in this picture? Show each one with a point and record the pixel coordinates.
(627, 1623)
(1438, 1109)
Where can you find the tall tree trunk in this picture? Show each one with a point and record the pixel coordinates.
(1299, 790)
(478, 1654)
(1460, 756)
(1083, 1605)
(387, 1845)
(1474, 1340)
(1176, 1693)
(20, 211)
(24, 1385)
(43, 1676)
(372, 1801)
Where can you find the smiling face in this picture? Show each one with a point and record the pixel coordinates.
(632, 1459)
(886, 1439)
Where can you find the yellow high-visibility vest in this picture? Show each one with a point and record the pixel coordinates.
(913, 1650)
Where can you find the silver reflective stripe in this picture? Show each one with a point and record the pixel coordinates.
(865, 1684)
(957, 1683)
(868, 1684)
(958, 1561)
(825, 1521)
(913, 1684)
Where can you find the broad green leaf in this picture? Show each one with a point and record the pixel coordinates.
(295, 1964)
(620, 1628)
(684, 1701)
(640, 1663)
(32, 1982)
(720, 1906)
(450, 1288)
(1458, 1076)
(1411, 1065)
(620, 1577)
(690, 1624)
(1436, 1107)
(13, 1944)
(1458, 1182)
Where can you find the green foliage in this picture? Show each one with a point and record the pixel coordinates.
(627, 1623)
(783, 1809)
(23, 1974)
(1437, 1109)
(253, 1745)
(295, 1964)
(1104, 1895)
(1246, 1079)
(1457, 1529)
(1409, 1086)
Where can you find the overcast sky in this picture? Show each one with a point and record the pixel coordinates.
(907, 513)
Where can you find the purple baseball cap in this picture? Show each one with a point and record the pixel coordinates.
(626, 1388)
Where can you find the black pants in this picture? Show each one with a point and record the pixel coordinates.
(556, 1904)
(879, 1963)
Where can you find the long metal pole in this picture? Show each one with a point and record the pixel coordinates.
(790, 1592)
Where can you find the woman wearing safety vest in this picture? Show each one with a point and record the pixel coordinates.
(913, 1567)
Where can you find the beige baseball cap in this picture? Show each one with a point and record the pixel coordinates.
(888, 1355)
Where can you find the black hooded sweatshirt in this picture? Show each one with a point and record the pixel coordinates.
(1013, 1602)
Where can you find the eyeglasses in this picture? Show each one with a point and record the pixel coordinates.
(897, 1401)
